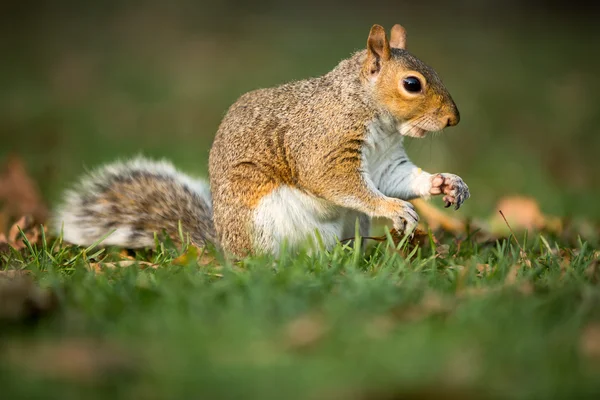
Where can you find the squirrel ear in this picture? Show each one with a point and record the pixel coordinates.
(398, 37)
(378, 48)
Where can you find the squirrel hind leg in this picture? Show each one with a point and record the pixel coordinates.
(135, 200)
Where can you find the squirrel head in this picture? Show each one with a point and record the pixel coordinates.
(404, 86)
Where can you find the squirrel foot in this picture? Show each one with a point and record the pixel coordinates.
(452, 186)
(407, 220)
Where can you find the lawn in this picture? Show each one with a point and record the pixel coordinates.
(453, 319)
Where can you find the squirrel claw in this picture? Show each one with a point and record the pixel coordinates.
(455, 189)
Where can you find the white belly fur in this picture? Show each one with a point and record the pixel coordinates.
(292, 216)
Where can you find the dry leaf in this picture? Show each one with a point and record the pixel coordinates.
(434, 391)
(380, 326)
(15, 240)
(524, 258)
(590, 341)
(522, 213)
(511, 279)
(18, 193)
(4, 245)
(125, 255)
(206, 258)
(31, 231)
(187, 258)
(436, 218)
(304, 332)
(83, 360)
(431, 304)
(14, 273)
(592, 271)
(442, 250)
(511, 276)
(21, 299)
(483, 270)
(99, 266)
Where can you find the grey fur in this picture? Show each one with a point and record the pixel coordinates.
(137, 199)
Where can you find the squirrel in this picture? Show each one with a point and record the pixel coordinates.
(304, 162)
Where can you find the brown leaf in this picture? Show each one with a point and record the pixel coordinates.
(81, 360)
(431, 304)
(592, 271)
(524, 258)
(483, 270)
(31, 231)
(511, 276)
(442, 250)
(304, 332)
(511, 279)
(4, 245)
(437, 219)
(522, 213)
(14, 273)
(125, 255)
(100, 266)
(19, 193)
(380, 326)
(590, 341)
(206, 258)
(21, 299)
(187, 258)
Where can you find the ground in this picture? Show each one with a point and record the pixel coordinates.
(460, 318)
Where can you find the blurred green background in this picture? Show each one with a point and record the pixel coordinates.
(86, 83)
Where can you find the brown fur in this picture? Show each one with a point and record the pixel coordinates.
(310, 135)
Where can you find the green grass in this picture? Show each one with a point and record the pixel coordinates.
(410, 322)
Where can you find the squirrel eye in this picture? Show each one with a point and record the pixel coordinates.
(411, 84)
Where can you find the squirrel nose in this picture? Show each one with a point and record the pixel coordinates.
(453, 120)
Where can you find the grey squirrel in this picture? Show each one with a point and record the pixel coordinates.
(307, 156)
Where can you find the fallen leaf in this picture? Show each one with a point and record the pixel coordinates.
(18, 193)
(206, 258)
(590, 341)
(437, 219)
(511, 276)
(100, 266)
(73, 359)
(483, 270)
(442, 250)
(31, 231)
(511, 280)
(430, 304)
(4, 245)
(592, 271)
(524, 258)
(125, 255)
(434, 391)
(21, 299)
(522, 213)
(187, 258)
(304, 332)
(14, 273)
(380, 326)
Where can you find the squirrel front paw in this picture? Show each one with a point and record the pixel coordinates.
(406, 219)
(452, 186)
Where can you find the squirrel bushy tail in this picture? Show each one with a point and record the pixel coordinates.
(136, 199)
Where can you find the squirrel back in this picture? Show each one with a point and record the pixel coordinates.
(137, 199)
